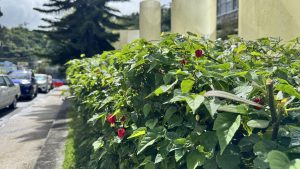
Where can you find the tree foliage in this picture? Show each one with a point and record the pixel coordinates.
(85, 28)
(21, 44)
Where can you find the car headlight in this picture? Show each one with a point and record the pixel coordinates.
(25, 82)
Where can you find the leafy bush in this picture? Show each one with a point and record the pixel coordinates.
(187, 102)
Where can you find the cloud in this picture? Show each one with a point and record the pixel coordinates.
(132, 6)
(16, 12)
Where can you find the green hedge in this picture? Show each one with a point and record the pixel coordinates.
(187, 102)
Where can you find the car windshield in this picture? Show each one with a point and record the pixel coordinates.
(40, 77)
(19, 75)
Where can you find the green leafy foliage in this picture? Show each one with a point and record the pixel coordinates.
(20, 44)
(202, 113)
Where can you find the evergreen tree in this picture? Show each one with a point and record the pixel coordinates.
(86, 27)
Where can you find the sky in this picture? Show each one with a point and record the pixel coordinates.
(20, 12)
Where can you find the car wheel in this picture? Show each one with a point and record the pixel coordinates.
(13, 104)
(36, 93)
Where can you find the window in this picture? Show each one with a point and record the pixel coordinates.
(235, 4)
(8, 81)
(226, 6)
(2, 81)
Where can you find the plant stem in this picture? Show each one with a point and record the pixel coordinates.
(292, 109)
(277, 124)
(271, 101)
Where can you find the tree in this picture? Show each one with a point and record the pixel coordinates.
(21, 44)
(165, 19)
(86, 27)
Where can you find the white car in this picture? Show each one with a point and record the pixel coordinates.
(43, 82)
(9, 92)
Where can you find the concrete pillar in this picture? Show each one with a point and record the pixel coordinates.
(126, 37)
(196, 16)
(269, 18)
(150, 19)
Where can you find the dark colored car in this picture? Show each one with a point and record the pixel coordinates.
(27, 82)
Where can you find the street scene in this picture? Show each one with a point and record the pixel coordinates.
(149, 84)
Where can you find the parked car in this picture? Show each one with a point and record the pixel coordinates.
(27, 82)
(44, 85)
(50, 79)
(58, 83)
(9, 93)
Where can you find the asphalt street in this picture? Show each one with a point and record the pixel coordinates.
(24, 131)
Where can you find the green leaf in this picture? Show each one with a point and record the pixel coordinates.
(254, 53)
(194, 102)
(163, 89)
(241, 48)
(209, 140)
(243, 91)
(211, 164)
(146, 109)
(230, 159)
(98, 144)
(224, 66)
(149, 139)
(151, 123)
(137, 133)
(177, 98)
(95, 118)
(212, 107)
(261, 124)
(289, 89)
(106, 101)
(187, 85)
(158, 158)
(195, 159)
(179, 153)
(226, 95)
(246, 143)
(180, 141)
(226, 125)
(278, 160)
(150, 165)
(240, 109)
(170, 111)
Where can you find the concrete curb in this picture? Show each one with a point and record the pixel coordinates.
(53, 151)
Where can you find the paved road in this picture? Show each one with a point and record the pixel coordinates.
(23, 132)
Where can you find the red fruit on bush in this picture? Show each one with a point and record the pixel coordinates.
(121, 133)
(259, 101)
(111, 119)
(199, 53)
(183, 61)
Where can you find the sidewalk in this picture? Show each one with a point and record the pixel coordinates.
(24, 135)
(52, 154)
